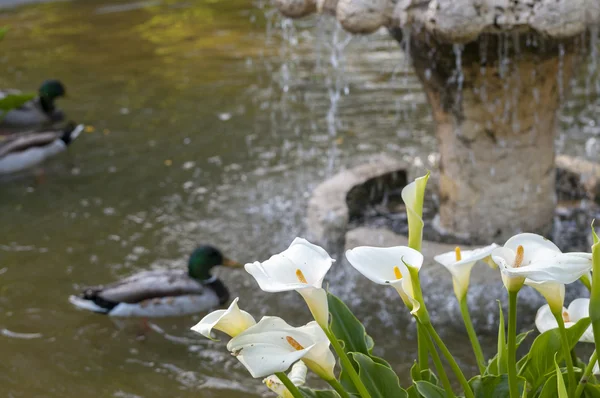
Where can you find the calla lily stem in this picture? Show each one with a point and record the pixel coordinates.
(586, 374)
(422, 346)
(289, 385)
(567, 352)
(512, 344)
(438, 364)
(464, 310)
(338, 388)
(451, 361)
(347, 365)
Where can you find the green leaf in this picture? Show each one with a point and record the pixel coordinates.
(549, 390)
(379, 380)
(561, 387)
(502, 346)
(428, 390)
(428, 375)
(591, 391)
(490, 386)
(415, 372)
(309, 393)
(544, 347)
(412, 392)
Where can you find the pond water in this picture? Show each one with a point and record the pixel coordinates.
(212, 122)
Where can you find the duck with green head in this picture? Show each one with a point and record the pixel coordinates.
(162, 293)
(39, 111)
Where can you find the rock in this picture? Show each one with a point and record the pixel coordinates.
(327, 6)
(578, 177)
(362, 16)
(296, 8)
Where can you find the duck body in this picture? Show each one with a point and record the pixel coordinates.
(38, 112)
(20, 151)
(161, 293)
(154, 294)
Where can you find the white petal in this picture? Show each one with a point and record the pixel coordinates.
(316, 299)
(533, 245)
(377, 263)
(503, 257)
(279, 273)
(562, 268)
(262, 359)
(553, 292)
(232, 321)
(579, 309)
(544, 320)
(320, 359)
(467, 256)
(297, 376)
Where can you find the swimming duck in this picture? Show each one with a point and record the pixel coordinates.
(20, 151)
(162, 293)
(39, 111)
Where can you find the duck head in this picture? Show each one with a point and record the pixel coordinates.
(49, 91)
(204, 258)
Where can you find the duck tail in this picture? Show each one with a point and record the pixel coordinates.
(88, 305)
(71, 132)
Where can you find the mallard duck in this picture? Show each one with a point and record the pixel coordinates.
(162, 293)
(39, 111)
(20, 151)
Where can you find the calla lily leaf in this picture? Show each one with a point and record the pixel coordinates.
(380, 381)
(428, 390)
(561, 387)
(540, 359)
(492, 386)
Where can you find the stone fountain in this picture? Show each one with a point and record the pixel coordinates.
(495, 73)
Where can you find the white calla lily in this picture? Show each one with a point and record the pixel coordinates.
(231, 321)
(578, 309)
(460, 263)
(272, 346)
(553, 292)
(413, 198)
(389, 266)
(538, 259)
(301, 267)
(297, 376)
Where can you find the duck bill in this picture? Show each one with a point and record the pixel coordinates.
(227, 262)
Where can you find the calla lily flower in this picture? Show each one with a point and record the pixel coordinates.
(578, 309)
(301, 267)
(231, 321)
(553, 292)
(389, 266)
(536, 258)
(413, 198)
(272, 346)
(297, 376)
(460, 263)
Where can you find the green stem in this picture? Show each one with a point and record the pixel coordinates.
(566, 352)
(438, 364)
(338, 388)
(512, 344)
(464, 310)
(289, 385)
(422, 347)
(347, 365)
(451, 361)
(586, 374)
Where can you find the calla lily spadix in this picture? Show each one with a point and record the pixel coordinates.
(578, 309)
(272, 346)
(231, 321)
(538, 259)
(297, 376)
(460, 263)
(389, 266)
(301, 267)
